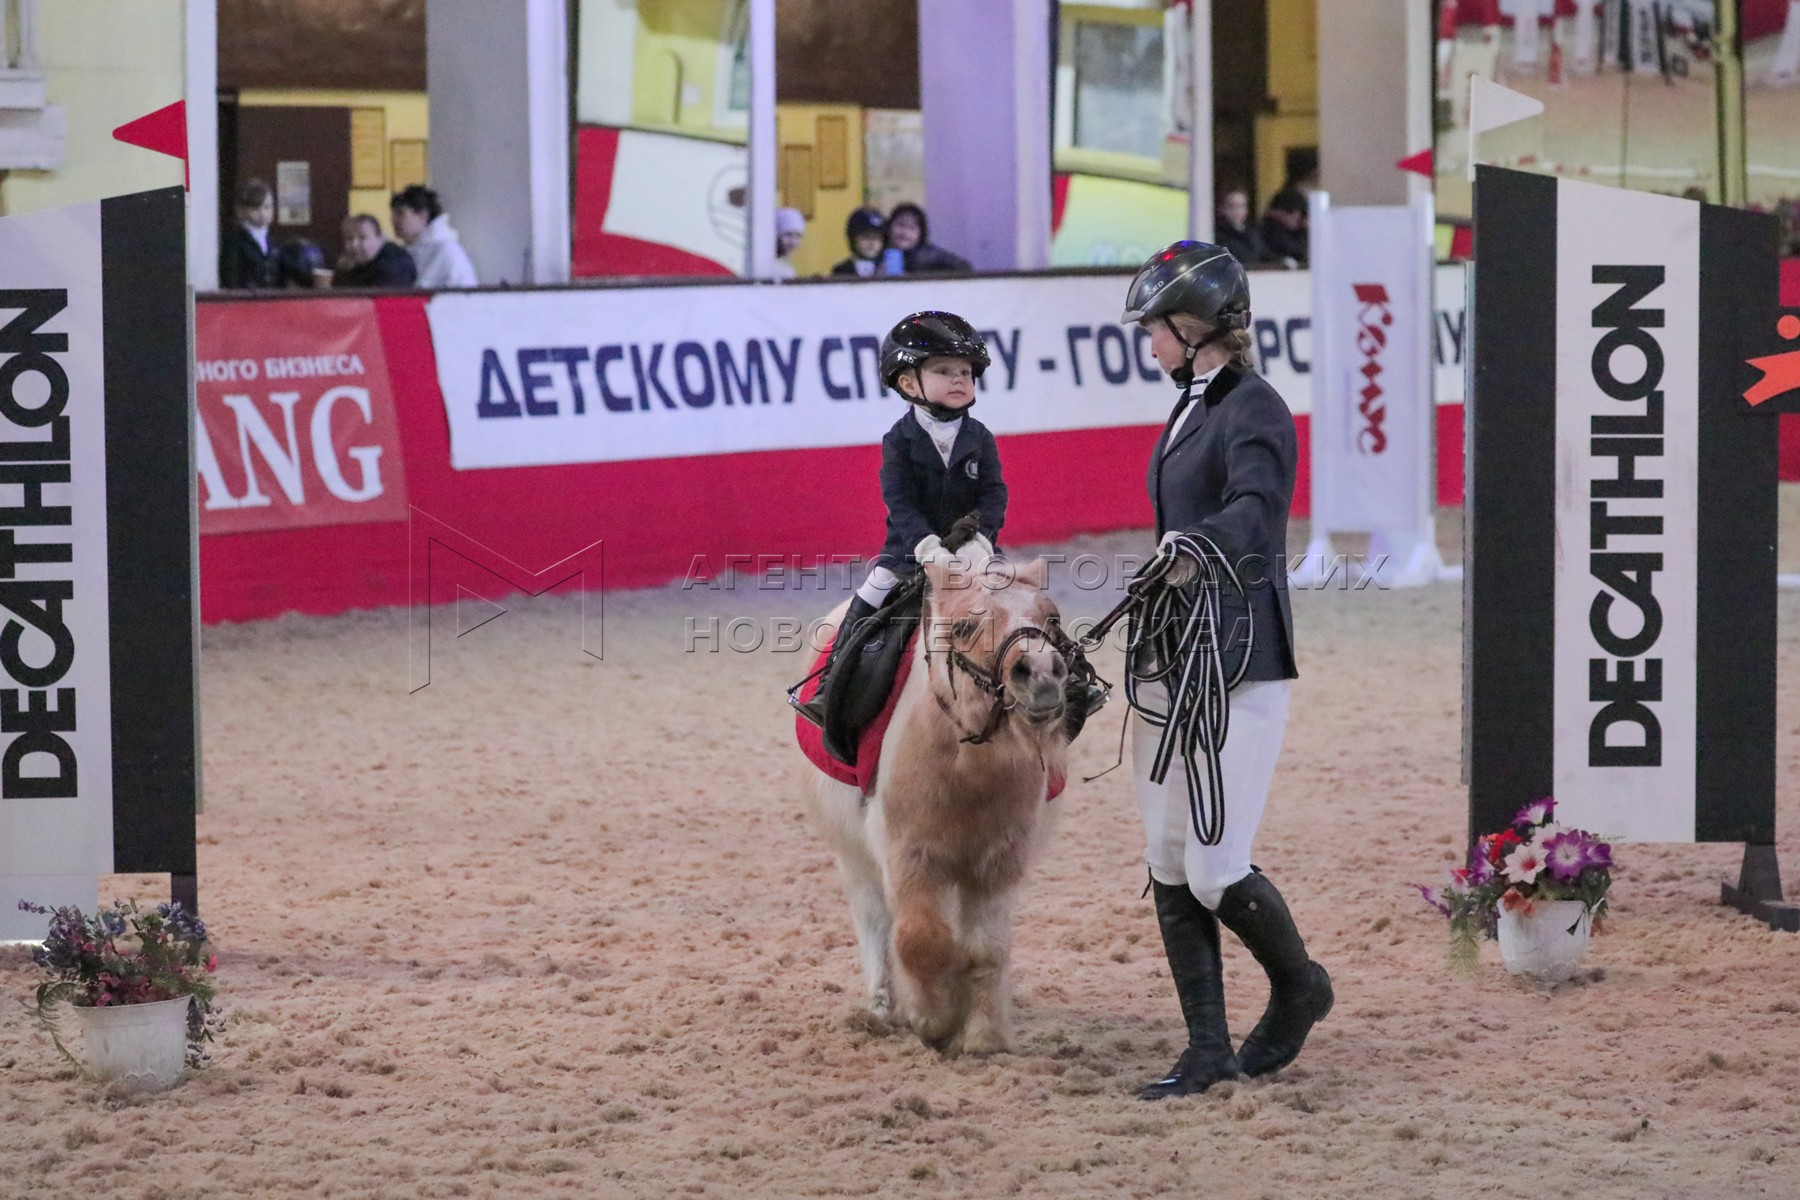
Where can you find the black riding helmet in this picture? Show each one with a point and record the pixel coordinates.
(1197, 278)
(864, 220)
(926, 335)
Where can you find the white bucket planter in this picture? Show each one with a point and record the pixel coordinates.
(143, 1046)
(1540, 944)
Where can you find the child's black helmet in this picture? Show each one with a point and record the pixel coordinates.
(930, 335)
(1197, 278)
(865, 220)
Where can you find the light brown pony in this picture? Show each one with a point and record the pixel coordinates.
(932, 859)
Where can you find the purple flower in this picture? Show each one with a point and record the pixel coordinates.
(1537, 812)
(1433, 899)
(1480, 869)
(1598, 855)
(1566, 854)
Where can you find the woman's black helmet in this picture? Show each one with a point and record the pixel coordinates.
(1197, 278)
(930, 335)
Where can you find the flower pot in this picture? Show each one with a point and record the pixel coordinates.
(1539, 942)
(143, 1046)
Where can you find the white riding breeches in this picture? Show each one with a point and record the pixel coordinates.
(1253, 737)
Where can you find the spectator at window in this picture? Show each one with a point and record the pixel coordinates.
(1284, 228)
(1232, 229)
(246, 257)
(866, 231)
(421, 223)
(370, 260)
(790, 230)
(908, 233)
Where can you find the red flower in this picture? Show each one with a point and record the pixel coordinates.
(1499, 844)
(212, 964)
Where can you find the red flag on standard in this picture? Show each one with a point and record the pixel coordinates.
(164, 131)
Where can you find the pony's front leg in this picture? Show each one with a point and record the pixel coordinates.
(930, 966)
(987, 938)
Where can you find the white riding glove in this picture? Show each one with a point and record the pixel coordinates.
(1183, 570)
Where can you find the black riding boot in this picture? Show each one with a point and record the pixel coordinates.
(814, 710)
(1299, 989)
(1191, 939)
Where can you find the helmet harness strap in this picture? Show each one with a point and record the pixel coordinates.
(1184, 374)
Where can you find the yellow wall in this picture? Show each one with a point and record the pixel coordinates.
(797, 125)
(407, 120)
(676, 69)
(1294, 85)
(109, 62)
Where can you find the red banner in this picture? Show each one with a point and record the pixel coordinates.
(296, 421)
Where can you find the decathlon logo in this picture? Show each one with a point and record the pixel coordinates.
(1623, 563)
(36, 709)
(1780, 373)
(1373, 316)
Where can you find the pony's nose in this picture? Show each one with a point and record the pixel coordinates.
(1043, 698)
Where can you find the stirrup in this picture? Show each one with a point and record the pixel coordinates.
(812, 711)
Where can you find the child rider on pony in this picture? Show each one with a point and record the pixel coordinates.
(938, 464)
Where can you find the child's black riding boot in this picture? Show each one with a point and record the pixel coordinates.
(1299, 989)
(814, 710)
(1191, 938)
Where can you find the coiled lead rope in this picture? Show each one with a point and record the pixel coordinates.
(1174, 622)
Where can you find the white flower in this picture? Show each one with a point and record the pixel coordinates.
(1543, 834)
(1524, 864)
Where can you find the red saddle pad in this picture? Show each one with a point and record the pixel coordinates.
(868, 748)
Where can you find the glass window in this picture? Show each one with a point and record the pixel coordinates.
(1119, 88)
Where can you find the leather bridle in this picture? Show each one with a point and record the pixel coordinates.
(990, 680)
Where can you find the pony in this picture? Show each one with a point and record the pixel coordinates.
(932, 858)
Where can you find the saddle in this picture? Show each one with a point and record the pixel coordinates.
(863, 675)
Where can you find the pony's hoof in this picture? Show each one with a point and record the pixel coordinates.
(940, 1035)
(983, 1042)
(881, 1005)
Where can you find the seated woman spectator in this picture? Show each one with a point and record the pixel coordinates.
(790, 231)
(421, 223)
(1232, 229)
(247, 259)
(1284, 227)
(908, 233)
(370, 260)
(866, 231)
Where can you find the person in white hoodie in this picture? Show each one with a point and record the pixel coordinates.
(421, 223)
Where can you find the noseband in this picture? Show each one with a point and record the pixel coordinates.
(988, 680)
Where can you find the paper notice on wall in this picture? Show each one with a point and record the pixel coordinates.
(293, 193)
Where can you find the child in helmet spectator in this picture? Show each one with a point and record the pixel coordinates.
(866, 231)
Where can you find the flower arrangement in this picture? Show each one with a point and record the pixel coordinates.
(125, 955)
(1536, 859)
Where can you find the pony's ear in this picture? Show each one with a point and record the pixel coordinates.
(1035, 573)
